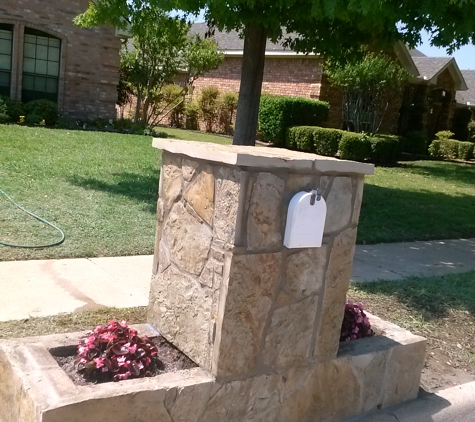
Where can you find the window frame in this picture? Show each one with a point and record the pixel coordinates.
(44, 43)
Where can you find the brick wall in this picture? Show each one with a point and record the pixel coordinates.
(300, 77)
(89, 57)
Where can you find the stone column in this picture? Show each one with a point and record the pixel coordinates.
(224, 289)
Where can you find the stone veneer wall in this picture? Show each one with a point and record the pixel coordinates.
(89, 56)
(225, 290)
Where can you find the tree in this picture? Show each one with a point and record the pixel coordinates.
(161, 49)
(368, 85)
(333, 28)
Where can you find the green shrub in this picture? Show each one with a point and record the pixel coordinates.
(4, 118)
(443, 135)
(300, 138)
(415, 142)
(173, 98)
(354, 146)
(465, 150)
(315, 139)
(385, 149)
(277, 113)
(15, 109)
(191, 115)
(33, 119)
(208, 106)
(326, 141)
(451, 149)
(47, 110)
(226, 109)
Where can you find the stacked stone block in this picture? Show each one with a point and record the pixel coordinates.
(225, 290)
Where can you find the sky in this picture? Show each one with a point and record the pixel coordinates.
(465, 57)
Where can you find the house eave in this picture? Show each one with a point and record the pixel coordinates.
(274, 54)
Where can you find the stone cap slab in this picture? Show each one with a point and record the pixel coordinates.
(261, 157)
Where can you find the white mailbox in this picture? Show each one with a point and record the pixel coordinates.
(305, 220)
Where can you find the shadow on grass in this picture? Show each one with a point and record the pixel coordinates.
(397, 215)
(433, 297)
(448, 171)
(139, 187)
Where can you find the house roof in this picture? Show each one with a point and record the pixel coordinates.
(231, 42)
(431, 67)
(414, 52)
(467, 97)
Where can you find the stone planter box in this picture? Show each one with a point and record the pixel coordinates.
(367, 374)
(260, 320)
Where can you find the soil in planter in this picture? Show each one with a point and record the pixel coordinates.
(170, 359)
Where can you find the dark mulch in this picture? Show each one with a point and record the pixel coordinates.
(169, 359)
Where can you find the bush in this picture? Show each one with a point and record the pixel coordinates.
(277, 113)
(385, 149)
(354, 146)
(443, 135)
(4, 118)
(415, 142)
(208, 106)
(173, 98)
(451, 149)
(47, 110)
(465, 150)
(115, 352)
(355, 323)
(327, 141)
(191, 116)
(314, 139)
(300, 138)
(226, 108)
(15, 109)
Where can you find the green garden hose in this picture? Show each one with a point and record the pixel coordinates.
(39, 219)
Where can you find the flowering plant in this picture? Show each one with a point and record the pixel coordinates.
(355, 322)
(115, 352)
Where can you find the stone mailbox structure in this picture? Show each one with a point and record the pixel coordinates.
(261, 321)
(225, 290)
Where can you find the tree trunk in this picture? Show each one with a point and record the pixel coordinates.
(137, 107)
(255, 37)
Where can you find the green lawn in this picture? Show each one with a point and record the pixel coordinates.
(418, 200)
(101, 189)
(441, 309)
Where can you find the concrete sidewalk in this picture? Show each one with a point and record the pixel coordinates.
(455, 404)
(393, 261)
(49, 287)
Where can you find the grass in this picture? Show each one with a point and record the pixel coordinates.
(418, 200)
(441, 309)
(99, 188)
(67, 323)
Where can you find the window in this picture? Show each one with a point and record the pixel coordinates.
(41, 59)
(6, 41)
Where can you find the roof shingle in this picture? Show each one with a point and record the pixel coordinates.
(464, 97)
(230, 41)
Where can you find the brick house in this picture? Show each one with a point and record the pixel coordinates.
(44, 55)
(465, 107)
(427, 103)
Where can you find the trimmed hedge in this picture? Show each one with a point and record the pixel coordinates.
(451, 149)
(385, 149)
(277, 113)
(415, 142)
(315, 139)
(14, 109)
(42, 110)
(354, 146)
